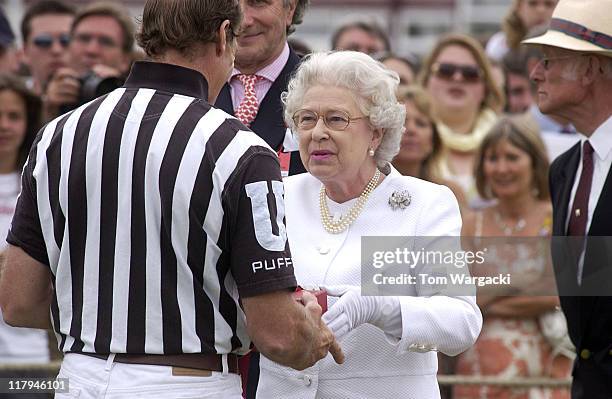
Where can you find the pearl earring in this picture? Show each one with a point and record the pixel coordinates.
(371, 152)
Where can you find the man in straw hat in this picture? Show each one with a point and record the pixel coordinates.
(574, 81)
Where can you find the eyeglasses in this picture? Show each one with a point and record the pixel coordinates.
(334, 119)
(45, 41)
(447, 71)
(103, 40)
(546, 61)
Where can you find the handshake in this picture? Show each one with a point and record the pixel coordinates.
(298, 334)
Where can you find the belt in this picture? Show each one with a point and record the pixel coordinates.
(200, 361)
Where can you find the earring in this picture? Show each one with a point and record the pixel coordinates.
(371, 152)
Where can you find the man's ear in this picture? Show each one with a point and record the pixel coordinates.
(592, 70)
(222, 44)
(290, 12)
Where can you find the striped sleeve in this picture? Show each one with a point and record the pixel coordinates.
(260, 257)
(25, 231)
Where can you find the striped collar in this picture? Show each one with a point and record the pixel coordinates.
(168, 77)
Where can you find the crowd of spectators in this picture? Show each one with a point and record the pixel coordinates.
(478, 132)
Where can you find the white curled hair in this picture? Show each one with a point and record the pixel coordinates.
(372, 84)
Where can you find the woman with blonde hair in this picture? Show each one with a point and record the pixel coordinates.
(466, 100)
(523, 16)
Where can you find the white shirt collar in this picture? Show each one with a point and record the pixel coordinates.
(601, 139)
(273, 70)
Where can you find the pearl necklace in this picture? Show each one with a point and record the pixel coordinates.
(338, 226)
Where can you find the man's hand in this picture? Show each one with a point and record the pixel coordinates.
(104, 71)
(351, 310)
(288, 330)
(325, 341)
(63, 88)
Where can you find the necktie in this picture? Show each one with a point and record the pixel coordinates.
(247, 110)
(580, 208)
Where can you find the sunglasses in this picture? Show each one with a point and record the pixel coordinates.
(447, 71)
(45, 41)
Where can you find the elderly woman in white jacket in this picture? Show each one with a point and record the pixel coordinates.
(342, 107)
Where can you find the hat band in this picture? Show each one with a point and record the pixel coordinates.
(581, 32)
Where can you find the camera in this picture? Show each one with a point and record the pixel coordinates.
(92, 87)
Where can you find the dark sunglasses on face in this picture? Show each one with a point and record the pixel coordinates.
(45, 41)
(447, 71)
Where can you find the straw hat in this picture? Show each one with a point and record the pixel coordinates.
(580, 25)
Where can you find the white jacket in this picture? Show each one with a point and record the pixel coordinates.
(375, 367)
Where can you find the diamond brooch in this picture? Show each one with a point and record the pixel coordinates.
(400, 199)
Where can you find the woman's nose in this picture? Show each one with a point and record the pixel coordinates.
(409, 125)
(319, 131)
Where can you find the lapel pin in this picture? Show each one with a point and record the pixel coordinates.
(400, 199)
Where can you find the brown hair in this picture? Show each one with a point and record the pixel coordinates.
(33, 110)
(115, 11)
(521, 131)
(298, 14)
(513, 26)
(50, 7)
(371, 28)
(422, 101)
(494, 97)
(181, 24)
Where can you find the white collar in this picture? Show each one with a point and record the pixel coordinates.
(601, 139)
(273, 70)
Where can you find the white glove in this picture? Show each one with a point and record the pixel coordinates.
(353, 310)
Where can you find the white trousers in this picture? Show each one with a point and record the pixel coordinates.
(89, 378)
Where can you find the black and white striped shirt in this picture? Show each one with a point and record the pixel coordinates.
(155, 212)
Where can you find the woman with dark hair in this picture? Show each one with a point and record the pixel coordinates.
(20, 119)
(20, 112)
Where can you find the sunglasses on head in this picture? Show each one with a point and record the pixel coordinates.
(45, 41)
(447, 71)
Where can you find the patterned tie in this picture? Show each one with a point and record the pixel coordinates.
(247, 110)
(580, 208)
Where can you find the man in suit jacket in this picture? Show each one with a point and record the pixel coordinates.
(574, 81)
(263, 51)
